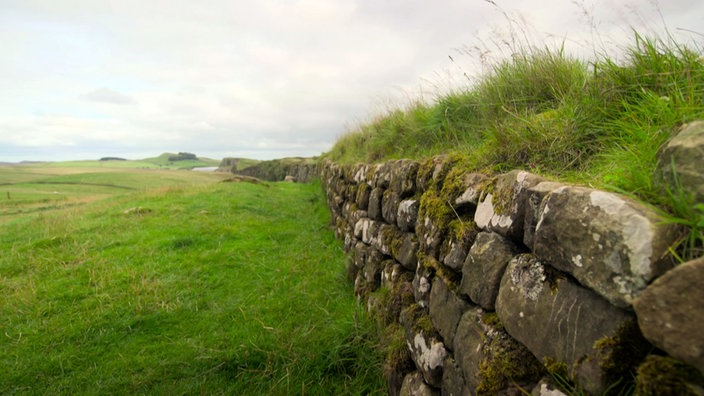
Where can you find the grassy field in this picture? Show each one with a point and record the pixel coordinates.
(34, 188)
(185, 287)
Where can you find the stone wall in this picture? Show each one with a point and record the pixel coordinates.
(290, 169)
(513, 283)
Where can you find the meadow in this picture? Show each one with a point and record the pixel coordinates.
(156, 282)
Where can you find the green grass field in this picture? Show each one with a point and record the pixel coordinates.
(177, 284)
(26, 189)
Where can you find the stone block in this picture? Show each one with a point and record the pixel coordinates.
(403, 177)
(362, 197)
(671, 312)
(453, 379)
(474, 184)
(374, 209)
(407, 214)
(490, 360)
(503, 209)
(427, 350)
(681, 162)
(609, 243)
(484, 267)
(413, 385)
(389, 206)
(536, 194)
(446, 309)
(562, 322)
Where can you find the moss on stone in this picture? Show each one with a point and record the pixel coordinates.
(506, 363)
(663, 375)
(451, 278)
(619, 355)
(420, 319)
(492, 319)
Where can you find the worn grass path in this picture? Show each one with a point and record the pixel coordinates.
(231, 288)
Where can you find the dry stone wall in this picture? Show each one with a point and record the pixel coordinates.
(498, 285)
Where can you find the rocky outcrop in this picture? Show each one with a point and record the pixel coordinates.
(670, 312)
(681, 161)
(511, 280)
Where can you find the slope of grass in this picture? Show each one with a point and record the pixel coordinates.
(231, 288)
(599, 123)
(44, 187)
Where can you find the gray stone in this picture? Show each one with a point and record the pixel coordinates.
(389, 206)
(382, 175)
(457, 252)
(391, 275)
(536, 194)
(362, 198)
(407, 214)
(474, 184)
(413, 385)
(404, 248)
(503, 210)
(446, 309)
(375, 209)
(453, 379)
(431, 172)
(422, 282)
(491, 361)
(546, 387)
(484, 267)
(403, 177)
(427, 350)
(681, 161)
(671, 312)
(609, 243)
(360, 173)
(566, 323)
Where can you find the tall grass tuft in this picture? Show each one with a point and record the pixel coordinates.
(599, 123)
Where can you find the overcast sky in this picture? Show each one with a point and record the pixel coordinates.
(264, 78)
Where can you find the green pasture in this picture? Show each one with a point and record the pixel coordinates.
(200, 288)
(26, 189)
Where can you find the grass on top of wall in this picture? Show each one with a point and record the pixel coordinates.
(596, 123)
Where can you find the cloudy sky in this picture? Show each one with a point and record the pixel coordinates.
(83, 79)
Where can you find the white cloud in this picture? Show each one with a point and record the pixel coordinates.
(263, 78)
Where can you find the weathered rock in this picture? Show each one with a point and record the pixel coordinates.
(391, 274)
(404, 249)
(403, 177)
(609, 243)
(536, 194)
(432, 171)
(474, 184)
(421, 285)
(446, 309)
(563, 322)
(360, 173)
(453, 379)
(382, 175)
(362, 197)
(427, 351)
(457, 247)
(407, 214)
(671, 310)
(389, 206)
(374, 209)
(546, 387)
(490, 360)
(484, 267)
(663, 375)
(413, 385)
(503, 210)
(681, 161)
